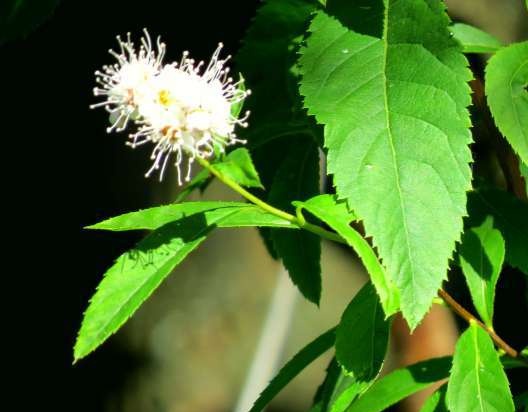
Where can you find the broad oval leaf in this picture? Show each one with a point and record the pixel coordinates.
(137, 273)
(401, 383)
(362, 336)
(336, 215)
(293, 367)
(506, 82)
(474, 40)
(481, 257)
(386, 99)
(478, 382)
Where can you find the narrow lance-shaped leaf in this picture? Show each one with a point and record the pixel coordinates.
(506, 82)
(336, 215)
(401, 383)
(510, 216)
(437, 401)
(481, 257)
(387, 95)
(300, 251)
(474, 40)
(137, 273)
(478, 382)
(291, 369)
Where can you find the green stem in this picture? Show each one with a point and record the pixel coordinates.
(303, 224)
(269, 208)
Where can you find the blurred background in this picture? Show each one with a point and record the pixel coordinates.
(190, 347)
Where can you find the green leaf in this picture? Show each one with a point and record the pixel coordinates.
(521, 401)
(137, 273)
(291, 369)
(198, 182)
(339, 389)
(478, 382)
(387, 95)
(239, 214)
(474, 40)
(437, 401)
(481, 257)
(524, 173)
(506, 82)
(401, 383)
(338, 217)
(510, 216)
(362, 336)
(300, 251)
(239, 167)
(19, 17)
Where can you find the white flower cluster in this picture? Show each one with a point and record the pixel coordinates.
(181, 108)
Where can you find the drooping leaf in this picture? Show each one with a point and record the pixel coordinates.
(478, 382)
(239, 167)
(481, 257)
(437, 401)
(137, 273)
(506, 82)
(362, 79)
(278, 120)
(474, 40)
(19, 17)
(291, 369)
(239, 214)
(300, 251)
(362, 336)
(401, 383)
(510, 216)
(337, 216)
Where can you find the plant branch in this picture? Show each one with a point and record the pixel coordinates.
(462, 312)
(301, 223)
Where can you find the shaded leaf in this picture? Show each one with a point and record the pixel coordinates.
(475, 40)
(478, 382)
(19, 17)
(524, 174)
(401, 383)
(363, 89)
(362, 336)
(481, 257)
(291, 369)
(510, 216)
(300, 251)
(336, 215)
(506, 82)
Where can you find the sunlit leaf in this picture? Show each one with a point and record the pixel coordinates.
(474, 40)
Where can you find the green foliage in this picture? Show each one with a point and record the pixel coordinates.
(509, 216)
(300, 251)
(137, 273)
(506, 82)
(361, 83)
(481, 257)
(524, 173)
(19, 17)
(401, 383)
(362, 336)
(239, 167)
(289, 371)
(474, 40)
(478, 382)
(437, 401)
(336, 215)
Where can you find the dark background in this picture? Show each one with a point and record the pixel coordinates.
(61, 172)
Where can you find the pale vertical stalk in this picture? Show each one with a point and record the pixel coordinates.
(272, 339)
